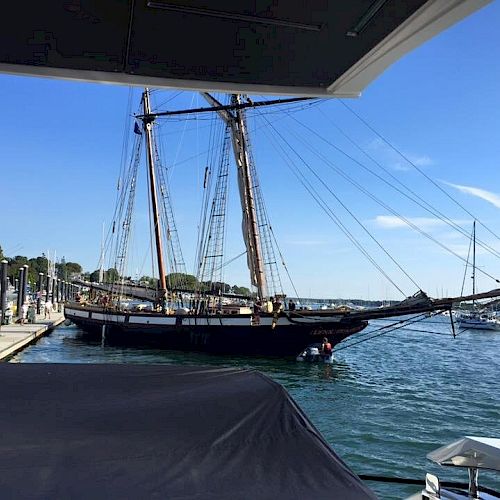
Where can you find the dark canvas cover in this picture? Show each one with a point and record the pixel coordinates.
(172, 432)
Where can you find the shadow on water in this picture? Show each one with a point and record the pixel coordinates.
(382, 405)
(278, 368)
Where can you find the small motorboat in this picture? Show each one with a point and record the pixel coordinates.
(471, 452)
(313, 354)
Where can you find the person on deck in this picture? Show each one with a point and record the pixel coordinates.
(291, 305)
(276, 305)
(276, 311)
(257, 308)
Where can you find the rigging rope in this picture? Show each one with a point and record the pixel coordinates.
(396, 326)
(283, 262)
(466, 265)
(377, 200)
(358, 221)
(313, 192)
(418, 200)
(432, 181)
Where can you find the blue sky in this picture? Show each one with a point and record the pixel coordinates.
(439, 105)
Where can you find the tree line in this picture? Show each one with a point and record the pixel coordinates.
(69, 270)
(188, 282)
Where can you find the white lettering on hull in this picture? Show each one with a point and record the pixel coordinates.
(110, 318)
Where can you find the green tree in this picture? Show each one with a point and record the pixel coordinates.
(181, 281)
(13, 266)
(73, 268)
(241, 290)
(37, 265)
(111, 275)
(215, 287)
(94, 276)
(1, 253)
(148, 281)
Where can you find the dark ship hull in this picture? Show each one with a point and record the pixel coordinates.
(219, 334)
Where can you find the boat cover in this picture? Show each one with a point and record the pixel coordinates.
(470, 451)
(157, 431)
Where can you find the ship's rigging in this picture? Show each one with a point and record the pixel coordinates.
(191, 313)
(259, 240)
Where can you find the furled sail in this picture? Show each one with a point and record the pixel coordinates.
(246, 191)
(249, 223)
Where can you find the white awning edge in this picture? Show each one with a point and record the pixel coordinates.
(432, 18)
(167, 83)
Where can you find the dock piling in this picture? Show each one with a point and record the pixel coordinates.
(39, 293)
(54, 298)
(3, 290)
(25, 284)
(20, 283)
(47, 288)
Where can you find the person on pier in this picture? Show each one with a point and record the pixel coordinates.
(47, 309)
(24, 313)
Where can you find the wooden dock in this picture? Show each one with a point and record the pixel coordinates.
(15, 337)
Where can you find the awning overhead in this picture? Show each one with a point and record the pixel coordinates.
(470, 451)
(133, 431)
(318, 47)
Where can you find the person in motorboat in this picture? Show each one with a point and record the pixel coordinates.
(316, 353)
(312, 354)
(326, 348)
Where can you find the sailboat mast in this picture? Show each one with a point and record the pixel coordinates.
(236, 120)
(473, 260)
(101, 259)
(148, 128)
(248, 201)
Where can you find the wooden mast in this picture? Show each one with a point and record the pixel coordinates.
(234, 116)
(251, 214)
(148, 128)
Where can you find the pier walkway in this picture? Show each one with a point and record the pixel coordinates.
(15, 337)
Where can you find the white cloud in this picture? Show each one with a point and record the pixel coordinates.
(421, 161)
(394, 222)
(488, 196)
(394, 160)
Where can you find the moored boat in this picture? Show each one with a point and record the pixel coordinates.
(473, 320)
(284, 335)
(471, 452)
(476, 318)
(208, 322)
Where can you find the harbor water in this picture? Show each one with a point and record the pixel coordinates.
(382, 405)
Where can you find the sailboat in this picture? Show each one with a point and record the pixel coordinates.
(204, 319)
(476, 319)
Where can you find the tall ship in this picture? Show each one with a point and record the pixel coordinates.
(202, 316)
